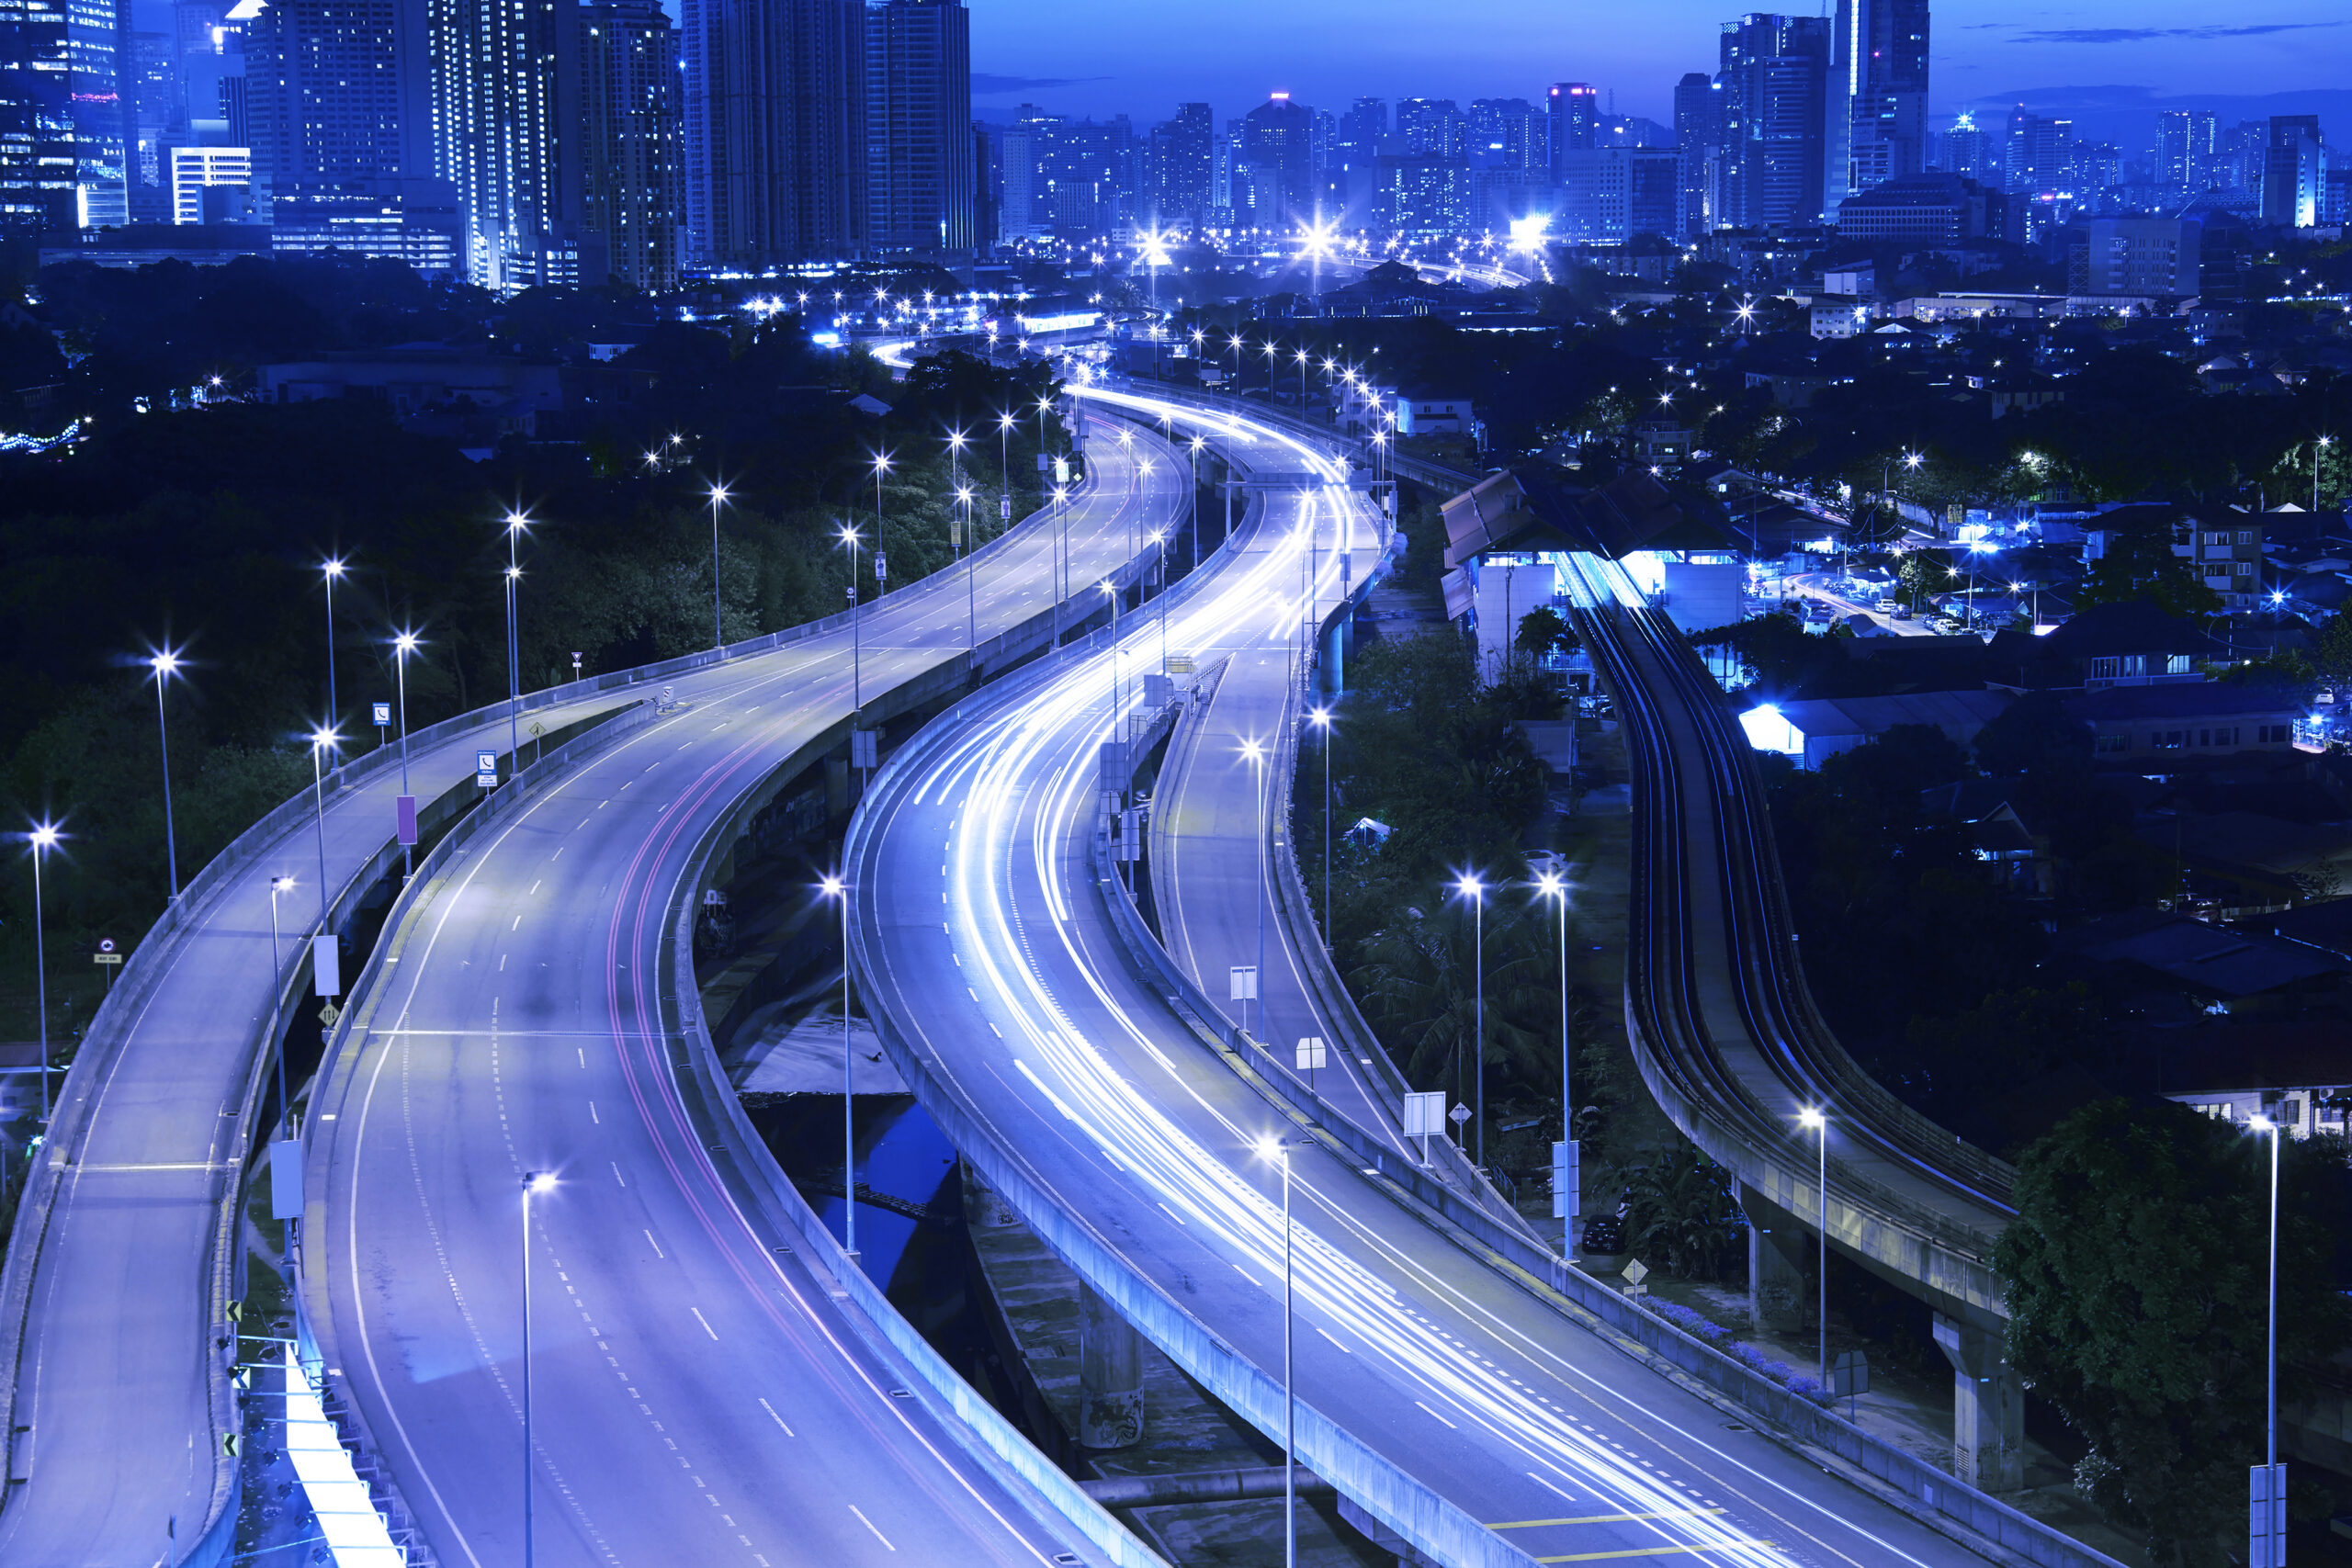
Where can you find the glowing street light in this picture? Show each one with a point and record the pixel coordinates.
(1551, 884)
(331, 570)
(533, 1181)
(718, 626)
(1468, 886)
(837, 887)
(881, 466)
(1279, 1149)
(1819, 1121)
(43, 838)
(322, 740)
(1256, 755)
(166, 664)
(403, 645)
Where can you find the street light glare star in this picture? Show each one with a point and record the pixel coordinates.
(1469, 887)
(332, 566)
(1811, 1117)
(164, 663)
(45, 835)
(326, 738)
(405, 643)
(831, 886)
(719, 492)
(540, 1182)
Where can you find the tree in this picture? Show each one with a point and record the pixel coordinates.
(2135, 1276)
(1679, 1210)
(1545, 630)
(2032, 732)
(2139, 564)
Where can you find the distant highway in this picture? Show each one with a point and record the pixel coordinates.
(700, 1395)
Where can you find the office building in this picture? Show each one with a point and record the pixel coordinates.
(1878, 94)
(1432, 127)
(1422, 195)
(1024, 211)
(98, 34)
(774, 114)
(505, 86)
(2144, 257)
(1572, 121)
(212, 183)
(1775, 78)
(632, 167)
(1926, 209)
(2294, 172)
(2187, 143)
(414, 221)
(37, 169)
(1699, 134)
(1179, 164)
(1092, 177)
(337, 91)
(917, 128)
(1507, 133)
(2038, 153)
(1277, 160)
(1608, 195)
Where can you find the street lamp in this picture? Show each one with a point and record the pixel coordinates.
(332, 571)
(1552, 885)
(881, 466)
(1819, 1121)
(718, 627)
(516, 524)
(2270, 1410)
(43, 839)
(403, 645)
(322, 741)
(837, 887)
(1279, 1149)
(278, 884)
(166, 665)
(2316, 445)
(971, 572)
(532, 1181)
(1322, 719)
(1470, 888)
(856, 694)
(1255, 754)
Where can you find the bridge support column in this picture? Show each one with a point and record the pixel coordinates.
(1110, 1375)
(982, 1207)
(1777, 1250)
(1988, 1407)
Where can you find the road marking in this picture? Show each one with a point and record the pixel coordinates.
(1171, 1213)
(535, 887)
(707, 1328)
(1547, 1486)
(1327, 1333)
(592, 1115)
(502, 964)
(1434, 1413)
(869, 1525)
(616, 1174)
(659, 1253)
(1652, 1551)
(1602, 1519)
(517, 925)
(779, 1420)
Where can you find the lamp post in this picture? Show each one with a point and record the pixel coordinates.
(1112, 590)
(278, 884)
(856, 654)
(322, 741)
(971, 573)
(2270, 1407)
(1192, 500)
(1819, 1121)
(165, 664)
(1061, 562)
(1552, 885)
(403, 645)
(1004, 459)
(1279, 1149)
(2317, 444)
(331, 570)
(515, 522)
(43, 838)
(881, 466)
(718, 627)
(1322, 719)
(532, 1181)
(1470, 888)
(837, 887)
(1256, 756)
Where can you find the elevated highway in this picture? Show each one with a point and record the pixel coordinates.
(1449, 1390)
(1730, 1042)
(711, 1384)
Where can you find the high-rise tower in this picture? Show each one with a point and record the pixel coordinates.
(774, 131)
(1775, 81)
(1878, 97)
(919, 177)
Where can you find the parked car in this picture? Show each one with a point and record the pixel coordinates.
(1900, 612)
(1886, 606)
(1604, 1234)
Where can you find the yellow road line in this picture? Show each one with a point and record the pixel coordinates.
(1602, 1519)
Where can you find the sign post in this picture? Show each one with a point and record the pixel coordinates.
(1244, 989)
(1311, 1055)
(1567, 1181)
(2267, 1511)
(1850, 1375)
(107, 958)
(485, 770)
(383, 714)
(1424, 1119)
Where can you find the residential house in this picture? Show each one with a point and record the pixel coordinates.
(2147, 723)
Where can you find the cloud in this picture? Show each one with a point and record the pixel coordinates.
(2143, 35)
(985, 81)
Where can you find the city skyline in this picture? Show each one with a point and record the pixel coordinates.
(2100, 59)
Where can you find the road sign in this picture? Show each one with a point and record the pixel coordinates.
(1180, 665)
(881, 566)
(1425, 1114)
(383, 712)
(326, 964)
(2267, 1511)
(404, 818)
(1061, 470)
(1849, 1374)
(105, 958)
(1460, 1114)
(864, 749)
(1568, 1172)
(1635, 1272)
(1004, 507)
(1042, 462)
(1245, 983)
(486, 769)
(1311, 1053)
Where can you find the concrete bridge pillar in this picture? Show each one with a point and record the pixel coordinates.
(1988, 1407)
(1110, 1375)
(1777, 1250)
(982, 1207)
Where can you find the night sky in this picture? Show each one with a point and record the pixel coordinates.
(2111, 65)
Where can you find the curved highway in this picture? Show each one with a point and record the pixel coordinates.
(1455, 1402)
(701, 1396)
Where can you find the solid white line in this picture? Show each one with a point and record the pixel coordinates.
(779, 1420)
(869, 1525)
(657, 1246)
(1440, 1417)
(616, 1174)
(707, 1328)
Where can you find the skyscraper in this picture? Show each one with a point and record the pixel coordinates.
(1878, 86)
(98, 51)
(631, 165)
(333, 93)
(1181, 163)
(2294, 171)
(774, 131)
(1572, 120)
(1970, 150)
(1507, 133)
(1277, 154)
(2038, 155)
(2185, 143)
(36, 117)
(1775, 81)
(1699, 134)
(919, 177)
(1432, 127)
